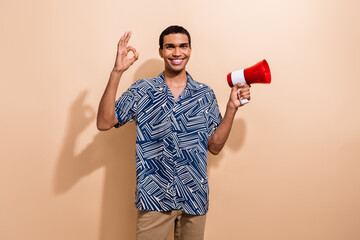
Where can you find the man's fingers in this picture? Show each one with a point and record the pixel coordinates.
(124, 40)
(133, 50)
(238, 87)
(130, 48)
(121, 41)
(136, 55)
(235, 88)
(242, 85)
(127, 38)
(244, 94)
(243, 91)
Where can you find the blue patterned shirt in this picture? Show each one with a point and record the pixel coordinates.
(171, 143)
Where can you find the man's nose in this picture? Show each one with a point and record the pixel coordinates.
(177, 52)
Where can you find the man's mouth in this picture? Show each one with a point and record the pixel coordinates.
(176, 61)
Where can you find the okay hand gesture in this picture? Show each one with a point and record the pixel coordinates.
(122, 62)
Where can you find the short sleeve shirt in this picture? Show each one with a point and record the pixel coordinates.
(171, 143)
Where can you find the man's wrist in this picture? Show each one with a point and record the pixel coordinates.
(231, 108)
(117, 71)
(116, 74)
(115, 77)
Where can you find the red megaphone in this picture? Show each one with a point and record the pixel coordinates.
(258, 73)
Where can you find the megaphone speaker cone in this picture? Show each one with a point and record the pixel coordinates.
(258, 73)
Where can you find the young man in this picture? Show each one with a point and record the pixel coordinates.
(177, 120)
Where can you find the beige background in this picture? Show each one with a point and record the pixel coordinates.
(289, 171)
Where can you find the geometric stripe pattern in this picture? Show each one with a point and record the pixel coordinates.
(171, 143)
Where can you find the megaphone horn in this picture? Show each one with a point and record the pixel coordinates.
(258, 73)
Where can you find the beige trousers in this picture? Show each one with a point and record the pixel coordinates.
(152, 225)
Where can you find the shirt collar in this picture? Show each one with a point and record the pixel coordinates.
(191, 83)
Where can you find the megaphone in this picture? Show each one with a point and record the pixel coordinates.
(258, 73)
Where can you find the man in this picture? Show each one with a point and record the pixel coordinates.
(177, 120)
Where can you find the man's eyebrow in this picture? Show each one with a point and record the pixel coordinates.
(172, 44)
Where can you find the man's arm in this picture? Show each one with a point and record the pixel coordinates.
(217, 141)
(106, 118)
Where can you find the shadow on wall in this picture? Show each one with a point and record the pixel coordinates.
(114, 150)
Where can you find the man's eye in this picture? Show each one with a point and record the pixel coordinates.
(169, 47)
(184, 46)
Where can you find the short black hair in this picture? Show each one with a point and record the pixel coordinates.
(173, 29)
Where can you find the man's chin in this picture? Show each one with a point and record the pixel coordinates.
(175, 69)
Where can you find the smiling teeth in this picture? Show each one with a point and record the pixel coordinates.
(177, 61)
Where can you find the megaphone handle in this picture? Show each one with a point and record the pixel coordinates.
(243, 101)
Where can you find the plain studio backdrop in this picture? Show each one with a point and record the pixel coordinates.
(290, 169)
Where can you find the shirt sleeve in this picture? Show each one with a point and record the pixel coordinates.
(214, 115)
(125, 107)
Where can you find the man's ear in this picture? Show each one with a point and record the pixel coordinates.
(160, 53)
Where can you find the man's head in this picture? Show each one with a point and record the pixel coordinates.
(172, 30)
(175, 49)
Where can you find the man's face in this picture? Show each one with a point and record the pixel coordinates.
(176, 52)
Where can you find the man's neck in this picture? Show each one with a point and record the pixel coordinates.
(175, 79)
(176, 82)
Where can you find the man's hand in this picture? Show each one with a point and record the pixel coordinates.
(122, 62)
(106, 118)
(237, 94)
